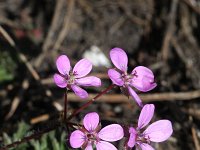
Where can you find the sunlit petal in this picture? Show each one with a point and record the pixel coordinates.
(79, 91)
(77, 138)
(103, 145)
(63, 64)
(91, 121)
(59, 81)
(115, 77)
(135, 96)
(132, 137)
(146, 115)
(145, 146)
(82, 68)
(89, 81)
(143, 79)
(111, 133)
(159, 131)
(119, 59)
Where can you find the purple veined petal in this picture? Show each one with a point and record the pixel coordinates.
(82, 68)
(145, 146)
(89, 146)
(132, 137)
(159, 131)
(113, 132)
(79, 91)
(146, 115)
(119, 58)
(103, 145)
(143, 79)
(135, 96)
(91, 121)
(115, 77)
(59, 81)
(77, 138)
(89, 81)
(63, 64)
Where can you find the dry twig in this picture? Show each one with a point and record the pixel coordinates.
(183, 57)
(21, 56)
(40, 118)
(88, 9)
(66, 25)
(195, 139)
(16, 100)
(119, 98)
(169, 30)
(192, 112)
(57, 13)
(27, 64)
(133, 18)
(52, 29)
(192, 6)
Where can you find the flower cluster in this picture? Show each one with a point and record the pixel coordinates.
(90, 135)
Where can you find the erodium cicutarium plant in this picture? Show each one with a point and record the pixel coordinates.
(89, 135)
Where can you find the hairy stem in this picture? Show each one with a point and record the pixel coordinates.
(90, 102)
(39, 134)
(65, 105)
(33, 136)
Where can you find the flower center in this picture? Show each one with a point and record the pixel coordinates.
(92, 137)
(69, 78)
(127, 78)
(141, 138)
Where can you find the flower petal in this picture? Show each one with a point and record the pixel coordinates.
(119, 59)
(111, 133)
(82, 68)
(115, 77)
(63, 64)
(135, 96)
(159, 131)
(103, 145)
(91, 121)
(146, 115)
(59, 81)
(79, 91)
(132, 137)
(77, 138)
(89, 146)
(145, 146)
(89, 81)
(143, 79)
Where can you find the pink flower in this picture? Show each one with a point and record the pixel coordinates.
(141, 77)
(75, 78)
(158, 131)
(89, 136)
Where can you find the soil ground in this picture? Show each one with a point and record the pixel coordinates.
(161, 35)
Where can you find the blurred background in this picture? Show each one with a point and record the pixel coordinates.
(161, 35)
